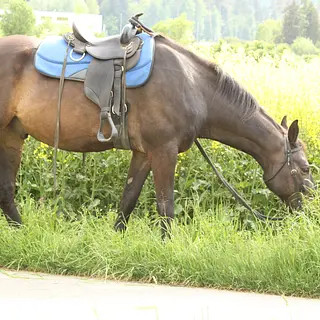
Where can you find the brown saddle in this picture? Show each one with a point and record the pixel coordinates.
(103, 49)
(104, 82)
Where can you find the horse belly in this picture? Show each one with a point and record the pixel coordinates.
(79, 120)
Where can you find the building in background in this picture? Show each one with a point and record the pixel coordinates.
(89, 21)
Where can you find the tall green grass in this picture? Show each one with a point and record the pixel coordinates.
(282, 258)
(215, 241)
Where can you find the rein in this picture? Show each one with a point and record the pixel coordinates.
(57, 129)
(233, 191)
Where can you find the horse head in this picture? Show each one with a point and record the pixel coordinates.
(290, 176)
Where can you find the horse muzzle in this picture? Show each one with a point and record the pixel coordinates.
(295, 201)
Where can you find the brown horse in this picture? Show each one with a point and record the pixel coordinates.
(186, 98)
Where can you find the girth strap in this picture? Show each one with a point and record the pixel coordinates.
(118, 71)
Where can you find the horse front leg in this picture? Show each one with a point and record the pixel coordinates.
(137, 175)
(163, 163)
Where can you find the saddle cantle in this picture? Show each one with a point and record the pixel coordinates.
(102, 49)
(127, 34)
(106, 66)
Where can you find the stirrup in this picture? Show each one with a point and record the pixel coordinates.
(114, 132)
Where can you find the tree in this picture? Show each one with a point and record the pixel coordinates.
(269, 31)
(211, 22)
(244, 20)
(92, 6)
(80, 6)
(227, 17)
(291, 23)
(213, 25)
(18, 19)
(115, 15)
(4, 4)
(179, 29)
(317, 4)
(310, 21)
(52, 5)
(301, 21)
(259, 10)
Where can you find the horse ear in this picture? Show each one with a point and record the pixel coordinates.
(284, 122)
(293, 132)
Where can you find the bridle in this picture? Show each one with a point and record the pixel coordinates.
(288, 154)
(288, 161)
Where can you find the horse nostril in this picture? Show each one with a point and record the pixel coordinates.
(308, 184)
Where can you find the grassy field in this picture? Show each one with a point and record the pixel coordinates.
(215, 242)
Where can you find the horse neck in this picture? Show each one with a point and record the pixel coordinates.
(257, 135)
(232, 116)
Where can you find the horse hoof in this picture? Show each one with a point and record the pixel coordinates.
(14, 224)
(120, 227)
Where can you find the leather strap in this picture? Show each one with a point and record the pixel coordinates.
(79, 47)
(232, 190)
(122, 141)
(118, 72)
(57, 129)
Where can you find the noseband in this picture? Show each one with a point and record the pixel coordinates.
(288, 153)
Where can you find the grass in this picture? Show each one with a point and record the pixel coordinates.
(280, 258)
(215, 242)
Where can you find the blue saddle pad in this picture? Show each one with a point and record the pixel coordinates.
(51, 53)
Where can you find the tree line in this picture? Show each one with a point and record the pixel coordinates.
(270, 20)
(213, 19)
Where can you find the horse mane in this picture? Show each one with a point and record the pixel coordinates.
(226, 86)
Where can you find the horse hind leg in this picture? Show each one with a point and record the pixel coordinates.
(11, 142)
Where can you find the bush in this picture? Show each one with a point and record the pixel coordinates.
(309, 57)
(255, 49)
(233, 41)
(282, 47)
(179, 29)
(48, 28)
(18, 19)
(303, 46)
(269, 31)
